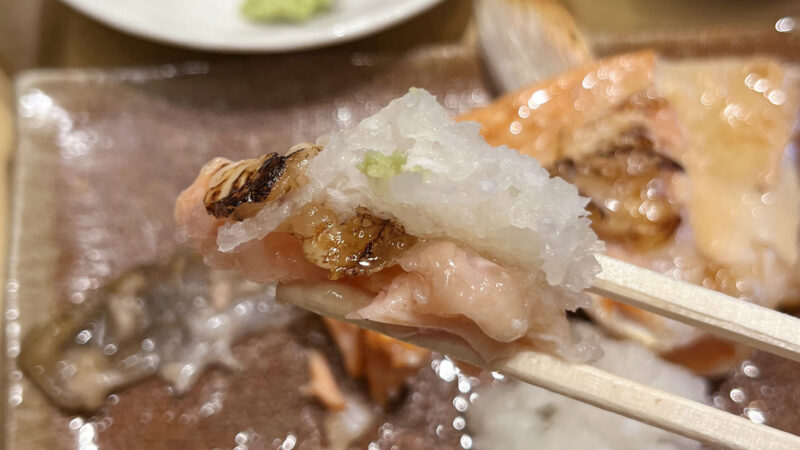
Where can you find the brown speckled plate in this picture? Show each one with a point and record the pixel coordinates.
(101, 157)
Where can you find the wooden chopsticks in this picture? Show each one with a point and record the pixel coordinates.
(709, 310)
(738, 320)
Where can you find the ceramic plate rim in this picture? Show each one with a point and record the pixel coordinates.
(348, 29)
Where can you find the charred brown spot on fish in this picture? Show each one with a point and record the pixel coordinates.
(380, 240)
(628, 184)
(361, 245)
(244, 183)
(239, 189)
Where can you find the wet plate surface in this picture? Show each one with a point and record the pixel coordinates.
(101, 157)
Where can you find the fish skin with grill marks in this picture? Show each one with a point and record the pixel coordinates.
(629, 190)
(238, 189)
(361, 244)
(621, 163)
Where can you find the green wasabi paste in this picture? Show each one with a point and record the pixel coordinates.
(283, 10)
(378, 165)
(426, 173)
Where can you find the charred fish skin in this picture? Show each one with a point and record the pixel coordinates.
(238, 188)
(624, 169)
(632, 208)
(361, 245)
(347, 246)
(643, 224)
(248, 181)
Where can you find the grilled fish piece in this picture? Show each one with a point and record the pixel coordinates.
(361, 245)
(478, 256)
(702, 150)
(238, 189)
(358, 245)
(620, 162)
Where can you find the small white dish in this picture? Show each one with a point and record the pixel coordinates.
(218, 25)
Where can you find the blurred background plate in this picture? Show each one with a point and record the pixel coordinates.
(218, 25)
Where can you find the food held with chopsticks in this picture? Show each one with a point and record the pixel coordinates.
(409, 188)
(621, 232)
(689, 171)
(448, 234)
